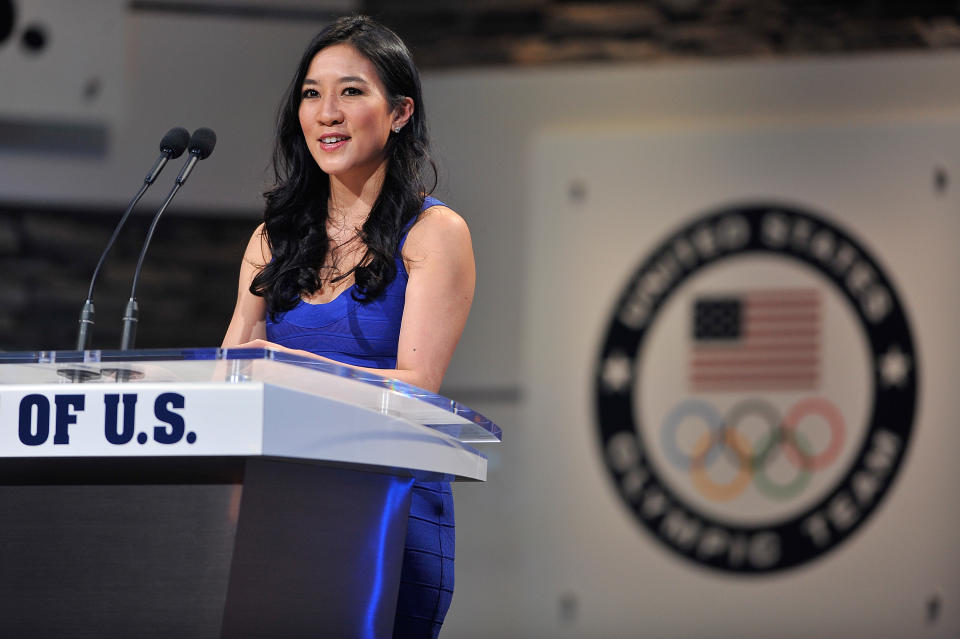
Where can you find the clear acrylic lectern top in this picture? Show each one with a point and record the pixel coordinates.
(245, 365)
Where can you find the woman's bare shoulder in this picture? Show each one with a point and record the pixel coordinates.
(438, 226)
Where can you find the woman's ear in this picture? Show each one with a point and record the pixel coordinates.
(402, 113)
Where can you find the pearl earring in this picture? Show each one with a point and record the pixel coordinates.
(396, 129)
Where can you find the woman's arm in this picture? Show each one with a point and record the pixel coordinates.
(441, 272)
(438, 254)
(249, 316)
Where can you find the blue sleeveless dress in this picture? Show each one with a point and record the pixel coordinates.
(367, 335)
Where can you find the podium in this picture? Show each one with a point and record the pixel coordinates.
(212, 492)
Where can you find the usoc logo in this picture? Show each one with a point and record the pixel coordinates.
(756, 389)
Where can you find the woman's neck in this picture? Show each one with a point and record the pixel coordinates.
(352, 198)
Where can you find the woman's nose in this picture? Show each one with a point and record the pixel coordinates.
(329, 112)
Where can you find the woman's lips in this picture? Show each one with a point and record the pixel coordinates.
(333, 142)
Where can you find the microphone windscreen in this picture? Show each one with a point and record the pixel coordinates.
(202, 142)
(174, 142)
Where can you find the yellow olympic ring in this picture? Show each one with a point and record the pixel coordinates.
(701, 478)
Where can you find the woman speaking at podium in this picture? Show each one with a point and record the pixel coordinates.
(356, 263)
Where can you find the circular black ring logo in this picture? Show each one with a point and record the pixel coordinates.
(764, 355)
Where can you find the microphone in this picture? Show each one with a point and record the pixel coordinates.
(171, 146)
(200, 147)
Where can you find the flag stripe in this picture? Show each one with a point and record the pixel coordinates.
(758, 377)
(793, 318)
(757, 347)
(757, 385)
(758, 361)
(765, 305)
(781, 332)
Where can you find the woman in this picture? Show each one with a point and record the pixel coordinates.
(355, 263)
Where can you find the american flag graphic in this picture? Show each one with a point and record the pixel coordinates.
(765, 339)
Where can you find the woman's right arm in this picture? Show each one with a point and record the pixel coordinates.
(249, 316)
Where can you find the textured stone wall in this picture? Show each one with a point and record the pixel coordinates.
(541, 32)
(47, 256)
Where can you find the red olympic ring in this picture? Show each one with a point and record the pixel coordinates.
(826, 409)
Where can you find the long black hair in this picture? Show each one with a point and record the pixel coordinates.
(296, 206)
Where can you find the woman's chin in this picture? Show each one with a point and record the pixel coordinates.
(348, 171)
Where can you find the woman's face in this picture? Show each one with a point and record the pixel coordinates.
(345, 113)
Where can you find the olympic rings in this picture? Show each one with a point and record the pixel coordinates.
(721, 434)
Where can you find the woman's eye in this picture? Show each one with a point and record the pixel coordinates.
(352, 91)
(309, 93)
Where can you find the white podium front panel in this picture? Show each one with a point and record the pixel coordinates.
(130, 420)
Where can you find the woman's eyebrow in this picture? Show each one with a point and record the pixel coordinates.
(344, 80)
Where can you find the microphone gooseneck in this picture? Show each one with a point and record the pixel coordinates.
(171, 146)
(199, 147)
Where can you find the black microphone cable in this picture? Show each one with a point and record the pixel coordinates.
(171, 146)
(200, 147)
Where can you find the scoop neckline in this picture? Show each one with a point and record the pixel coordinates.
(333, 301)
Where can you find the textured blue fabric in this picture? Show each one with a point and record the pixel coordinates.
(348, 331)
(426, 578)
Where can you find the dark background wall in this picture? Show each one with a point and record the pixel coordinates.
(47, 256)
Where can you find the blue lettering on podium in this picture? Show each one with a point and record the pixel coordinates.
(123, 434)
(65, 417)
(27, 434)
(175, 426)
